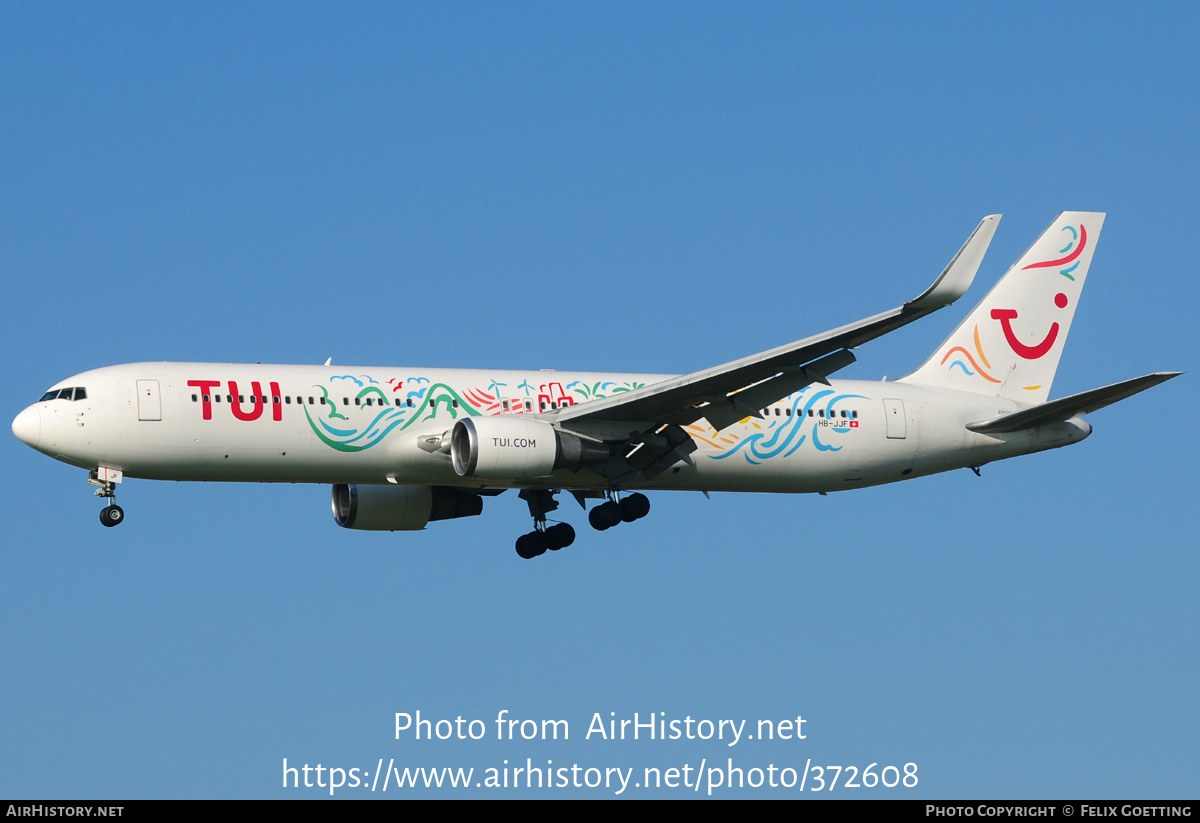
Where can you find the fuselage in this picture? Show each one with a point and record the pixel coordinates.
(380, 425)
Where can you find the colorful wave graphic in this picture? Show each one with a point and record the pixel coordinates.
(1071, 256)
(783, 438)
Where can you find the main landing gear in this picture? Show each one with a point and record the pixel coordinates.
(614, 511)
(549, 538)
(543, 538)
(112, 514)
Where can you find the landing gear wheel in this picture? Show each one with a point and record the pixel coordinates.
(605, 516)
(111, 515)
(635, 507)
(561, 536)
(524, 549)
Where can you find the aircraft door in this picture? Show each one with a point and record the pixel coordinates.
(894, 411)
(149, 401)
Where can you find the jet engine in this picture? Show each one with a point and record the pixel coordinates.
(514, 447)
(399, 508)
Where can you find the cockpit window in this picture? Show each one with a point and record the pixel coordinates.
(65, 394)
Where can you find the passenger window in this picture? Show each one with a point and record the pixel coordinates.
(288, 399)
(217, 398)
(345, 401)
(275, 400)
(206, 398)
(410, 402)
(194, 399)
(357, 401)
(454, 403)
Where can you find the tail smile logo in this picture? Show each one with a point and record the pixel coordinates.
(1005, 316)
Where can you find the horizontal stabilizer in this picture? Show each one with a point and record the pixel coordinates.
(1067, 407)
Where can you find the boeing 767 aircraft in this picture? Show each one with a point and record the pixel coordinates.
(405, 446)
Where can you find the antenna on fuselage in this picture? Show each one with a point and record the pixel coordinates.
(328, 361)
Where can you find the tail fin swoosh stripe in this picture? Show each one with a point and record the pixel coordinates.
(1065, 260)
(979, 350)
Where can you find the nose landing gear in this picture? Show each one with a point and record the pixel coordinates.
(107, 479)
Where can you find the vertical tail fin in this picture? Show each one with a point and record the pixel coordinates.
(1010, 344)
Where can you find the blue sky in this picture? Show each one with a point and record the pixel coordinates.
(602, 187)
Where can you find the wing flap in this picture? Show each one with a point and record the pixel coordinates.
(749, 402)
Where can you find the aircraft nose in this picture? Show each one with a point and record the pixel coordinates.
(27, 426)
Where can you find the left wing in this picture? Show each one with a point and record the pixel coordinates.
(739, 389)
(654, 415)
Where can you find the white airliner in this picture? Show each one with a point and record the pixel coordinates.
(405, 446)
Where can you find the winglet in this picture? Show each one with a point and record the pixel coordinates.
(960, 271)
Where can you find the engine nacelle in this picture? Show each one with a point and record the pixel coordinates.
(399, 508)
(515, 447)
